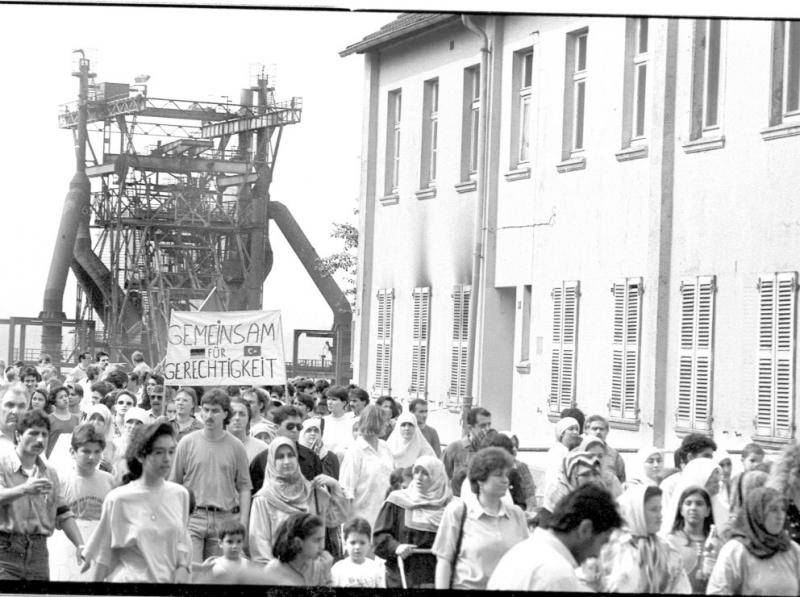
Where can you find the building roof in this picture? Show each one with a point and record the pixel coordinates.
(404, 26)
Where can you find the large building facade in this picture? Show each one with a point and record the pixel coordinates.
(614, 198)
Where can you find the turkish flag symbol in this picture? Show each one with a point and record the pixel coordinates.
(252, 351)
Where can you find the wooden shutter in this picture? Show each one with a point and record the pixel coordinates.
(383, 352)
(776, 344)
(459, 347)
(563, 359)
(624, 403)
(695, 357)
(419, 343)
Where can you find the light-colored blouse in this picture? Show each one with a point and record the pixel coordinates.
(738, 572)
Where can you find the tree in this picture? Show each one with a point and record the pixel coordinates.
(345, 261)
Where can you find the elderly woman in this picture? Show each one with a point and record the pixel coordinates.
(367, 465)
(568, 437)
(407, 442)
(636, 559)
(700, 472)
(579, 468)
(311, 438)
(595, 445)
(285, 492)
(785, 478)
(691, 529)
(473, 537)
(761, 559)
(409, 520)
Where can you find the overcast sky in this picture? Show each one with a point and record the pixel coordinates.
(203, 54)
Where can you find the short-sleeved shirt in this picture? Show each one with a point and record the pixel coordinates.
(215, 470)
(31, 514)
(338, 433)
(85, 495)
(364, 476)
(540, 563)
(486, 539)
(369, 574)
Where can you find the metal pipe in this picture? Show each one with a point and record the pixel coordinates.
(479, 223)
(76, 199)
(327, 286)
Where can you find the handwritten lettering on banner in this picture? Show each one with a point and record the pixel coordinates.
(225, 348)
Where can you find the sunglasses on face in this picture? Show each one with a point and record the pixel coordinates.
(293, 426)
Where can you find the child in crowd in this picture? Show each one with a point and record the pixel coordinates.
(399, 479)
(356, 570)
(85, 487)
(752, 456)
(228, 567)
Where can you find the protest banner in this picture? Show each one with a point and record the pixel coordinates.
(225, 348)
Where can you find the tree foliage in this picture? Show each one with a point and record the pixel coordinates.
(344, 262)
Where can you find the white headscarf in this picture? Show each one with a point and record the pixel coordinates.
(563, 424)
(405, 452)
(317, 446)
(642, 455)
(423, 511)
(696, 473)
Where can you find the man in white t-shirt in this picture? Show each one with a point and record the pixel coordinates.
(337, 434)
(546, 561)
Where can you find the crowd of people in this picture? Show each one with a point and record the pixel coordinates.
(107, 475)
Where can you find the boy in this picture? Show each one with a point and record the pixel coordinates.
(226, 568)
(752, 456)
(85, 487)
(356, 570)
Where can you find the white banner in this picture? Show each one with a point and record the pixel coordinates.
(225, 349)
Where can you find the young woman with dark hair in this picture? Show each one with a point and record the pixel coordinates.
(300, 557)
(142, 534)
(692, 526)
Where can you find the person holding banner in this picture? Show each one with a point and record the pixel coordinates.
(213, 465)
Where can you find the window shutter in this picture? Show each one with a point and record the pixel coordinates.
(624, 402)
(776, 345)
(565, 344)
(459, 347)
(695, 359)
(383, 352)
(419, 344)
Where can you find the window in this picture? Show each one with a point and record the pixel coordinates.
(634, 105)
(523, 330)
(565, 346)
(777, 315)
(695, 362)
(430, 133)
(471, 122)
(383, 351)
(458, 351)
(419, 343)
(706, 77)
(395, 105)
(575, 96)
(624, 404)
(522, 83)
(785, 71)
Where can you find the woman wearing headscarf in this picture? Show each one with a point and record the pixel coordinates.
(742, 486)
(578, 469)
(760, 559)
(785, 477)
(701, 472)
(409, 519)
(725, 464)
(636, 559)
(595, 445)
(568, 436)
(285, 492)
(406, 442)
(311, 438)
(100, 418)
(650, 467)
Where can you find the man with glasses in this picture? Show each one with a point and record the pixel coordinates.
(212, 464)
(290, 423)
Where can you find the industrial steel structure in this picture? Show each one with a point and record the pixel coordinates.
(170, 209)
